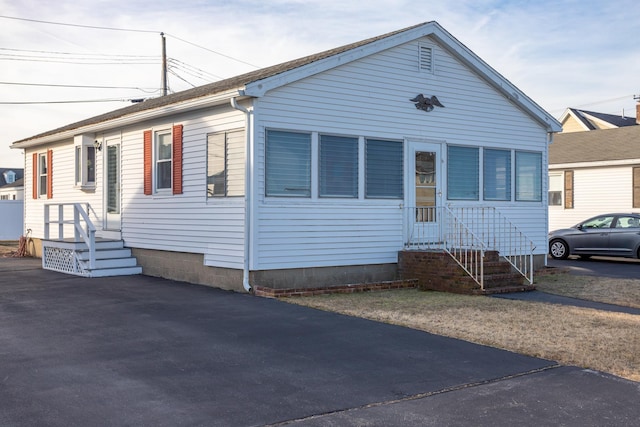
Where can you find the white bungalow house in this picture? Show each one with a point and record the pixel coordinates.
(315, 172)
(592, 173)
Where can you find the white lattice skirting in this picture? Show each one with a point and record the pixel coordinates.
(62, 260)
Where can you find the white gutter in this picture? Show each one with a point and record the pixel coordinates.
(248, 199)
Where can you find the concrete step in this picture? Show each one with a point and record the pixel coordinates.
(119, 271)
(105, 254)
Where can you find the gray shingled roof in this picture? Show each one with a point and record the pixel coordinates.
(217, 87)
(596, 145)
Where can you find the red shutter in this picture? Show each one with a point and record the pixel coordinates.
(34, 176)
(148, 187)
(49, 174)
(177, 159)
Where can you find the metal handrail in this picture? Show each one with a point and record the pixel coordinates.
(466, 233)
(86, 234)
(438, 228)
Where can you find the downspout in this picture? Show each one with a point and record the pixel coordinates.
(248, 199)
(549, 142)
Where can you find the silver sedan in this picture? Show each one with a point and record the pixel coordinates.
(615, 234)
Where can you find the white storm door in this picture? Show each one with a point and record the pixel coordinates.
(112, 197)
(425, 193)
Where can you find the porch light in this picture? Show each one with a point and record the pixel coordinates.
(97, 145)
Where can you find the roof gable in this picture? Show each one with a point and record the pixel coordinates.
(591, 120)
(257, 83)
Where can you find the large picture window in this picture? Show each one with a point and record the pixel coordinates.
(463, 173)
(528, 176)
(383, 169)
(338, 166)
(497, 174)
(288, 164)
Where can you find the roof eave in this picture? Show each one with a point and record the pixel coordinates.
(133, 118)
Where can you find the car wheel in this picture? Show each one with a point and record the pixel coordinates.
(558, 249)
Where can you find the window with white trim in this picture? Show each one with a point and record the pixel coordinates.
(338, 166)
(225, 164)
(497, 174)
(463, 173)
(163, 160)
(42, 174)
(555, 189)
(384, 169)
(288, 164)
(528, 176)
(85, 162)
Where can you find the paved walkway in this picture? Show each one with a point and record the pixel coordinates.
(540, 296)
(151, 352)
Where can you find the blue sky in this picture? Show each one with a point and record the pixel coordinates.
(571, 53)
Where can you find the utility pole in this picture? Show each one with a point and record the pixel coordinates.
(164, 65)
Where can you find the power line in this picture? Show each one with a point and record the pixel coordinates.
(117, 55)
(65, 102)
(212, 51)
(131, 30)
(94, 27)
(148, 90)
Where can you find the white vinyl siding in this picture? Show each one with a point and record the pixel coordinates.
(309, 231)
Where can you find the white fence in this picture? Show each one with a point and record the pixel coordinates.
(11, 219)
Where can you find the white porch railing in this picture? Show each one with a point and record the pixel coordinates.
(438, 228)
(500, 234)
(466, 233)
(83, 229)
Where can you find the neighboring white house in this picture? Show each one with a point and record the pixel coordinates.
(306, 173)
(592, 173)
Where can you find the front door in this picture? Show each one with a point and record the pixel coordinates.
(424, 192)
(112, 184)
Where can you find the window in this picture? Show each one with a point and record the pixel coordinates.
(383, 169)
(9, 177)
(628, 222)
(555, 189)
(338, 166)
(497, 174)
(528, 176)
(225, 164)
(463, 173)
(85, 162)
(163, 160)
(288, 164)
(42, 174)
(162, 168)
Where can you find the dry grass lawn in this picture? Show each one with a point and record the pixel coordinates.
(599, 340)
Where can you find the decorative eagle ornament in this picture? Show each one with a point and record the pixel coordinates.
(426, 104)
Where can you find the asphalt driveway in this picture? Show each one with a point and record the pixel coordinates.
(143, 351)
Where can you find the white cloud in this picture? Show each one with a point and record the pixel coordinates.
(561, 53)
